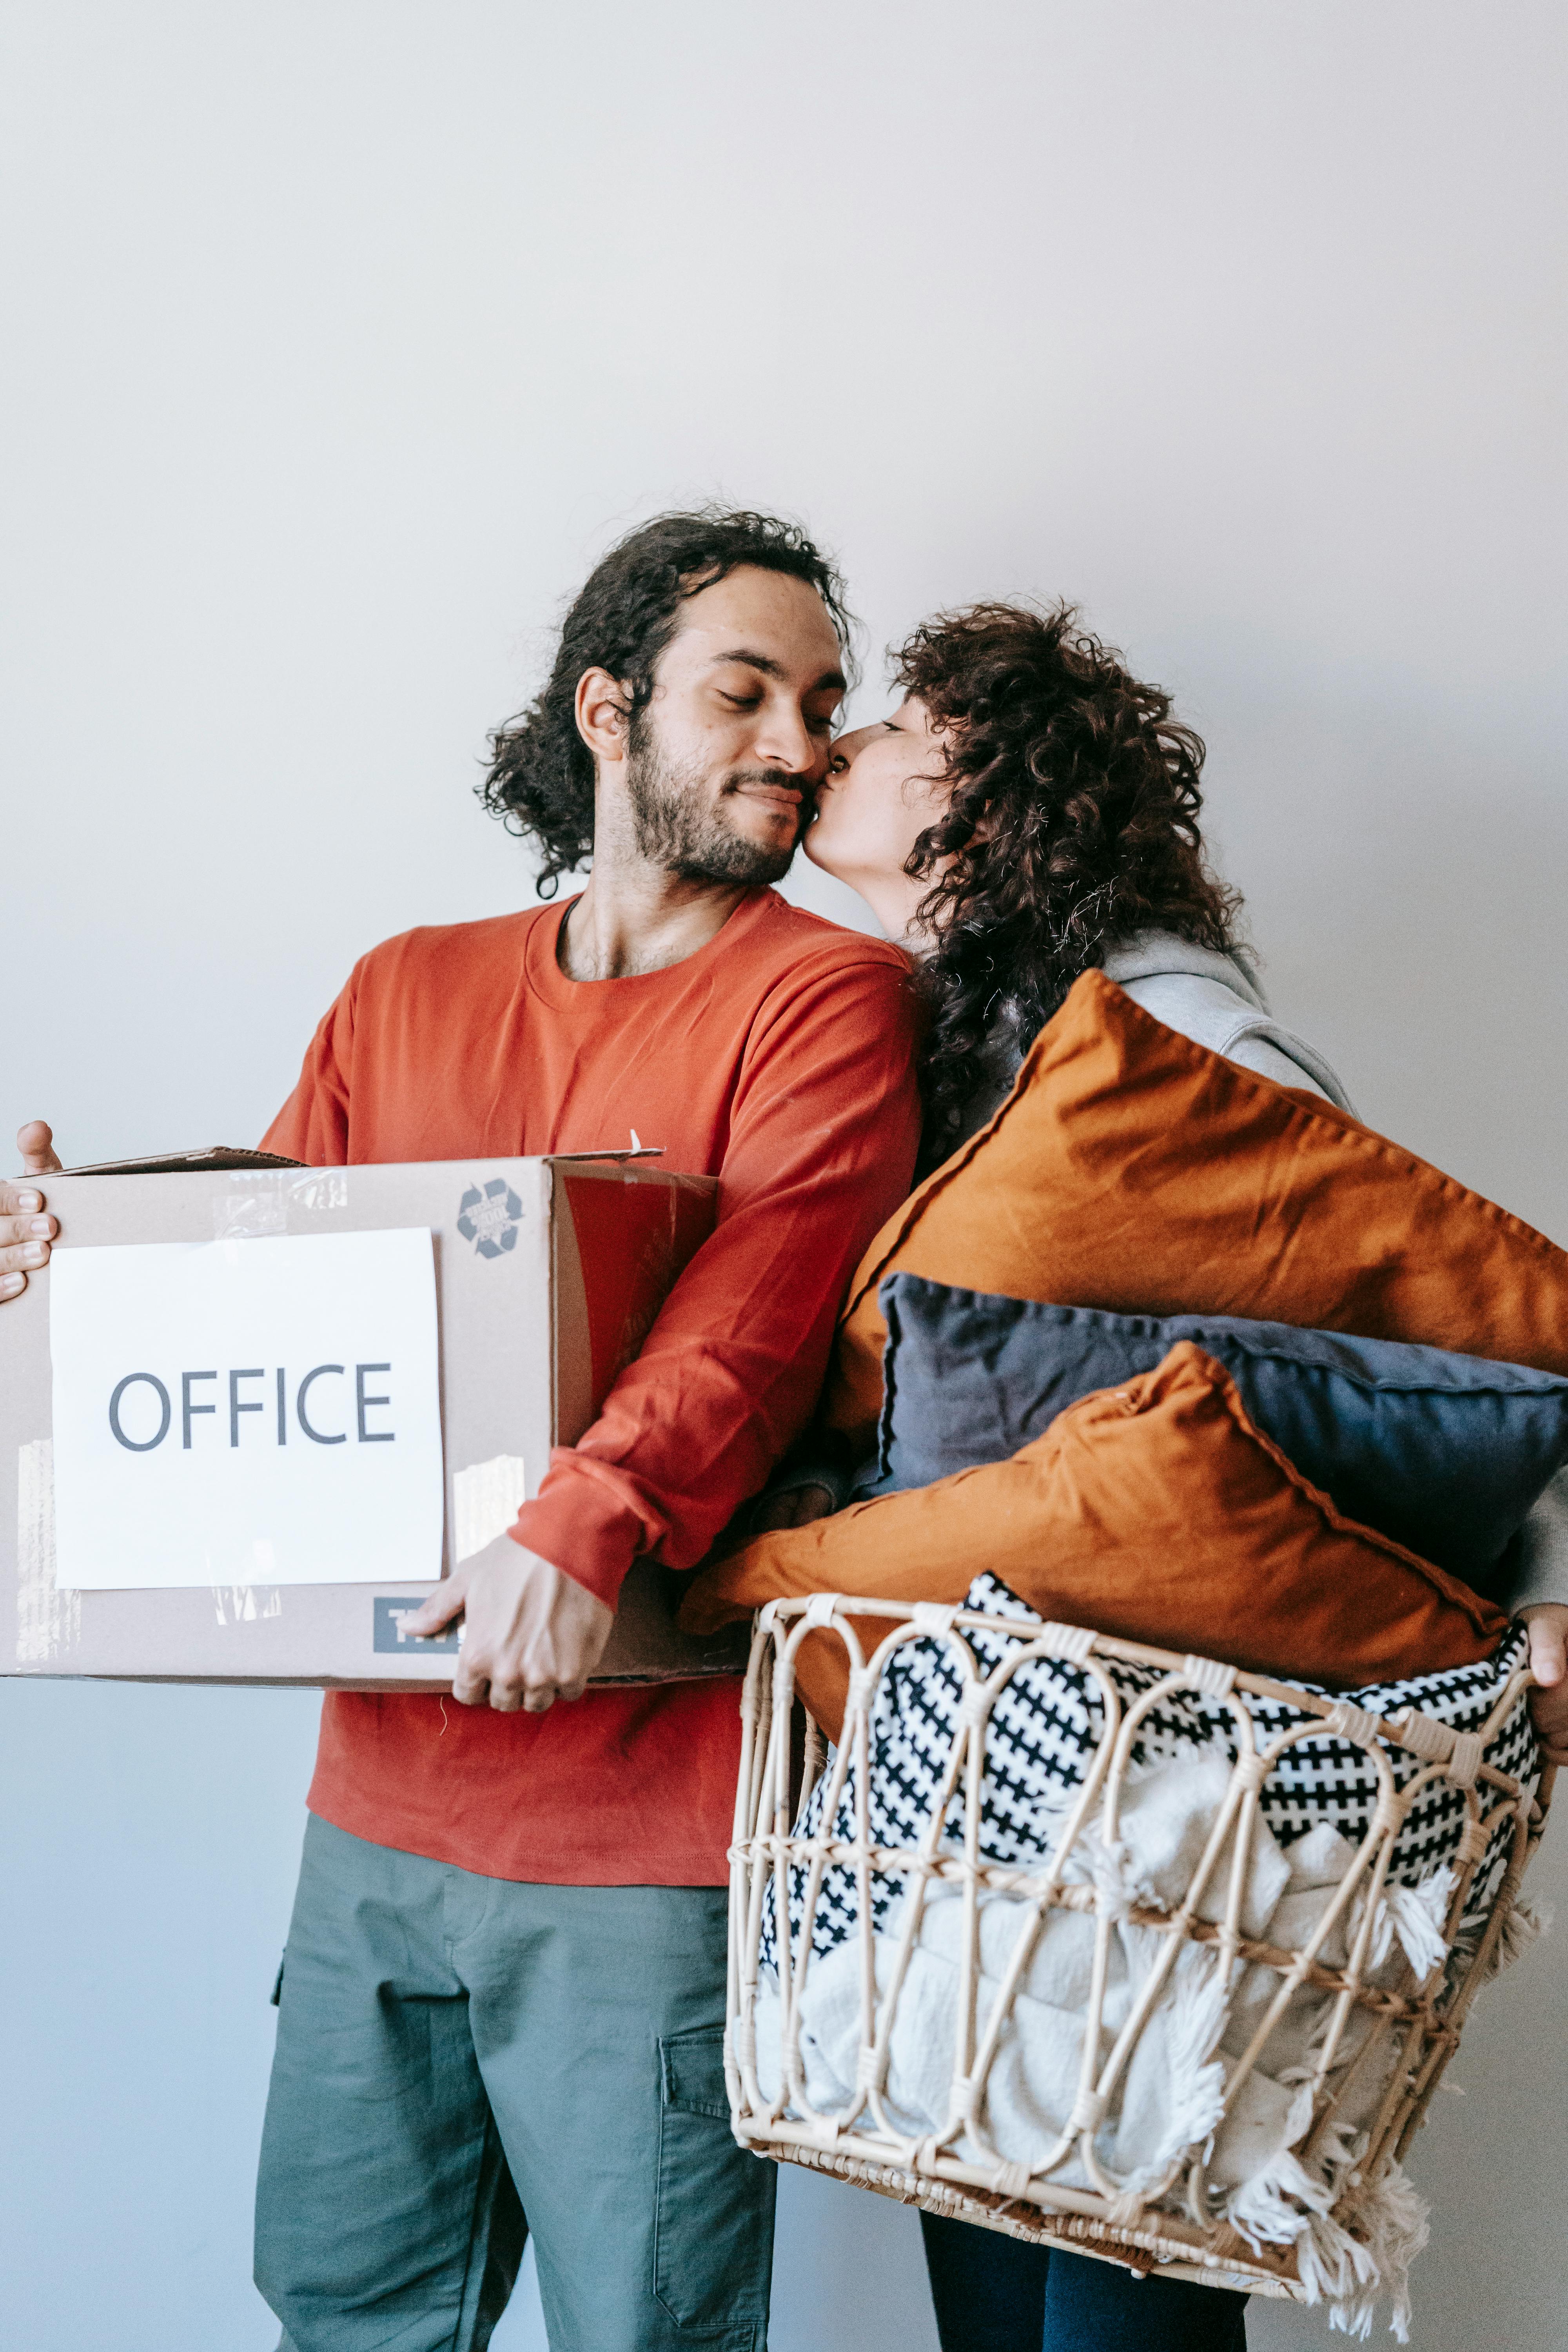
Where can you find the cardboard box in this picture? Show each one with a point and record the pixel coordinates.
(548, 1273)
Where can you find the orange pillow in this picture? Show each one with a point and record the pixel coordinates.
(1159, 1512)
(1131, 1169)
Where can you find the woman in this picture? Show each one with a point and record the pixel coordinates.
(1030, 810)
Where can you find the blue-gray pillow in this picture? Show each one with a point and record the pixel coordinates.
(1444, 1452)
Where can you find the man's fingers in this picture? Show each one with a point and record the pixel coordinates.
(35, 1143)
(24, 1229)
(24, 1257)
(533, 1635)
(25, 1237)
(441, 1607)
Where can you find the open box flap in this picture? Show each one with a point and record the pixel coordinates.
(217, 1156)
(220, 1156)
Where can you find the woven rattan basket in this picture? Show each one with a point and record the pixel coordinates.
(1401, 2030)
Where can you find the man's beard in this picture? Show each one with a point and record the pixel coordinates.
(678, 827)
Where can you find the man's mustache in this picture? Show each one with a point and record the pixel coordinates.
(780, 781)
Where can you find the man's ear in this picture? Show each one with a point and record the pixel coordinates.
(601, 710)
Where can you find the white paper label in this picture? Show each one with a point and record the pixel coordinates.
(243, 1413)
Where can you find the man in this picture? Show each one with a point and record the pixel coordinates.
(502, 1996)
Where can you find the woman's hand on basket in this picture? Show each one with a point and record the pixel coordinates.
(1548, 1623)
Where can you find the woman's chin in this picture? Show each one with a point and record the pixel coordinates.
(816, 843)
(808, 844)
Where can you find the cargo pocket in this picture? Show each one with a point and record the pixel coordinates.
(713, 2224)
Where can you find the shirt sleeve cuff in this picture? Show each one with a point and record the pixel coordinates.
(1540, 1557)
(583, 1529)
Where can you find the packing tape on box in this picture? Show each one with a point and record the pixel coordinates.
(319, 1189)
(260, 1205)
(486, 1498)
(242, 1605)
(48, 1621)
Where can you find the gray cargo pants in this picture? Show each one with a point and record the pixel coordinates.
(461, 2060)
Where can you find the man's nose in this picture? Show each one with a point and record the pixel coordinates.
(786, 740)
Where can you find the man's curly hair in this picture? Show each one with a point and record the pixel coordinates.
(1073, 824)
(540, 781)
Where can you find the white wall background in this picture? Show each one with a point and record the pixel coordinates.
(342, 334)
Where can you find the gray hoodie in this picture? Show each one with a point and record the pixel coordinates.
(1216, 999)
(1219, 1001)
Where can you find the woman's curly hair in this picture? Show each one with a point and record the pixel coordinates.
(540, 781)
(1073, 824)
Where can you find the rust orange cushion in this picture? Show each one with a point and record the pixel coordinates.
(1157, 1511)
(1133, 1169)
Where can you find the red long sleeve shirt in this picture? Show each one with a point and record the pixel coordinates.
(779, 1059)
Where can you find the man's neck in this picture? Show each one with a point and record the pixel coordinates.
(634, 917)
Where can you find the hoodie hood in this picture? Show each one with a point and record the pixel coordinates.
(1160, 955)
(1217, 998)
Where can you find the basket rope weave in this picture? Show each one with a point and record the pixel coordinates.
(1350, 2219)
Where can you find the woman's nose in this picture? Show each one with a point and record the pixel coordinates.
(845, 748)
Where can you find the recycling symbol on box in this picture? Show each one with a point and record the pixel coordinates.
(490, 1218)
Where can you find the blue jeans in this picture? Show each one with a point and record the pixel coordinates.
(997, 2295)
(462, 2061)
